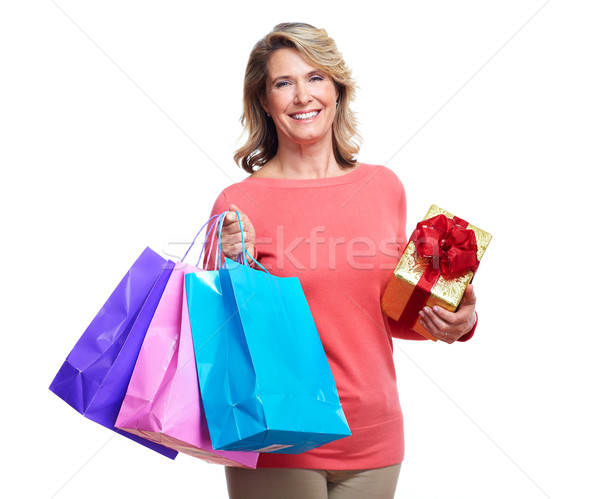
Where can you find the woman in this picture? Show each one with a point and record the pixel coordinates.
(309, 209)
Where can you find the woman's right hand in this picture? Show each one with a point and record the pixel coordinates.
(231, 236)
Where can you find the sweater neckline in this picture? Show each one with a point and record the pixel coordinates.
(356, 174)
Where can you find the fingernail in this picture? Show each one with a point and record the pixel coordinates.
(436, 308)
(427, 310)
(421, 314)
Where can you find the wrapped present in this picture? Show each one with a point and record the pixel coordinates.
(439, 261)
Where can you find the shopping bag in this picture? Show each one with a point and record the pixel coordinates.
(163, 398)
(265, 380)
(94, 377)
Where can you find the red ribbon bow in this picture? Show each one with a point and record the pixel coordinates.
(449, 244)
(452, 249)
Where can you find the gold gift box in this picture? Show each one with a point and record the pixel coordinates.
(447, 291)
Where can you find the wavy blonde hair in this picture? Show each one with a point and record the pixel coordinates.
(321, 51)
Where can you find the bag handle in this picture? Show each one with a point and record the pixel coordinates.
(196, 237)
(209, 231)
(242, 256)
(256, 262)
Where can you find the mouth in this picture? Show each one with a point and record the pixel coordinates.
(308, 115)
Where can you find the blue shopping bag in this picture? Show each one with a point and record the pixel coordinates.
(265, 381)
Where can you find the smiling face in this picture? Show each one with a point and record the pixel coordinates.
(299, 97)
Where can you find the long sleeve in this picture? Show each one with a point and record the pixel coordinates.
(470, 334)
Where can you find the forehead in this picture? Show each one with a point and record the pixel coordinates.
(288, 61)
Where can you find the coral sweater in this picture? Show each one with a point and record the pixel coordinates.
(342, 237)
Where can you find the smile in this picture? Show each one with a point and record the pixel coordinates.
(305, 116)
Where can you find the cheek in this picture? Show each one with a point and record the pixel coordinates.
(331, 91)
(328, 97)
(278, 102)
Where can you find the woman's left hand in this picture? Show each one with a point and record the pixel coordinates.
(450, 326)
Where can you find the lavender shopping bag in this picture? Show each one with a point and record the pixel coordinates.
(163, 400)
(94, 377)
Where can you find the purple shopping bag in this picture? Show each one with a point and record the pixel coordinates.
(94, 377)
(163, 401)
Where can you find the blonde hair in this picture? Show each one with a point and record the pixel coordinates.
(321, 51)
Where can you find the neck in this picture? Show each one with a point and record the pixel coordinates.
(306, 161)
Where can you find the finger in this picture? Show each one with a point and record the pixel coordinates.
(438, 323)
(235, 224)
(232, 215)
(428, 324)
(469, 296)
(230, 218)
(235, 229)
(233, 238)
(445, 315)
(460, 322)
(232, 250)
(233, 208)
(441, 329)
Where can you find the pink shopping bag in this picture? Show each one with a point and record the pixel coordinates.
(163, 402)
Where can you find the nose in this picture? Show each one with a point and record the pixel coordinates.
(302, 96)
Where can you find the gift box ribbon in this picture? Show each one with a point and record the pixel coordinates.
(451, 249)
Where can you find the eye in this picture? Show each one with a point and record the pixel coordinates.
(282, 83)
(316, 78)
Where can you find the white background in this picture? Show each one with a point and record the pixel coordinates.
(118, 121)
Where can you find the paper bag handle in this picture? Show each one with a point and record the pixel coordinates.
(244, 260)
(196, 237)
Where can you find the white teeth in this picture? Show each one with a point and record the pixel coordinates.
(305, 116)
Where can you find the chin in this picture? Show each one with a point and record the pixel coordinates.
(309, 138)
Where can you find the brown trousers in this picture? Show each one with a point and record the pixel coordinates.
(292, 483)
